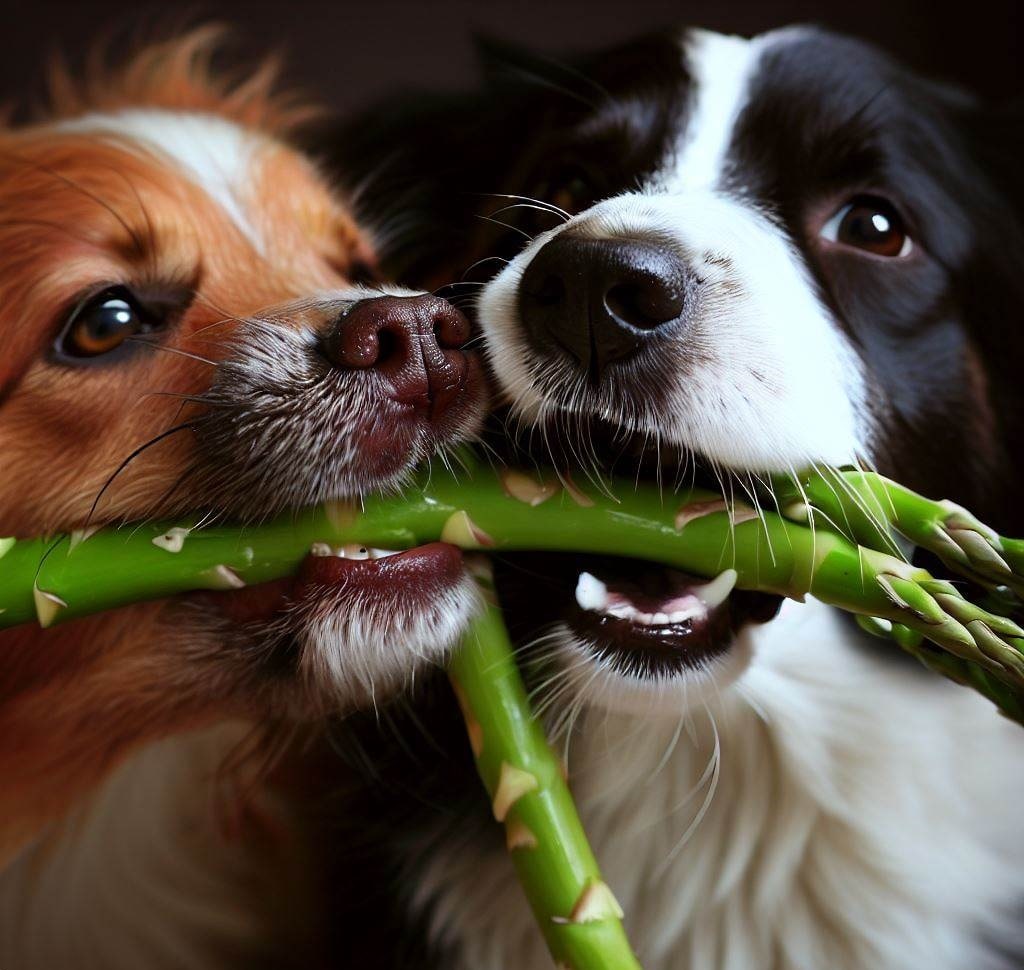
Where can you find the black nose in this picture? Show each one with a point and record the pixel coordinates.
(601, 299)
(413, 341)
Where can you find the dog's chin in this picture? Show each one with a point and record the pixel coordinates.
(608, 684)
(361, 634)
(352, 627)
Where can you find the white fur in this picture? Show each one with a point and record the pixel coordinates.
(857, 816)
(216, 154)
(140, 876)
(721, 68)
(799, 804)
(365, 649)
(779, 385)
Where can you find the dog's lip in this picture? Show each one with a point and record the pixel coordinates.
(412, 578)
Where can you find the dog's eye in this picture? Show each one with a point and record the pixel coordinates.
(103, 323)
(870, 224)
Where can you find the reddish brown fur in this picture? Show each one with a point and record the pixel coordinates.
(178, 74)
(77, 210)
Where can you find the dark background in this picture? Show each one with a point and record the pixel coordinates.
(350, 51)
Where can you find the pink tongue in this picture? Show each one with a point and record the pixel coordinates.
(650, 604)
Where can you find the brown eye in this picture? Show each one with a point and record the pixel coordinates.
(102, 324)
(870, 224)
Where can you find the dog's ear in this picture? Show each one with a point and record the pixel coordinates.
(192, 71)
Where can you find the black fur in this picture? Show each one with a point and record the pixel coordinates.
(943, 338)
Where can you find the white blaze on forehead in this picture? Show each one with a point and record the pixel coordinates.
(721, 68)
(214, 153)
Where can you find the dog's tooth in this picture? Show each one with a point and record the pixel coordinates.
(382, 553)
(354, 551)
(716, 592)
(321, 550)
(622, 611)
(660, 619)
(591, 593)
(681, 616)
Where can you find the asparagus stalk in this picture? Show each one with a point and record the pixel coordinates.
(574, 907)
(54, 580)
(865, 506)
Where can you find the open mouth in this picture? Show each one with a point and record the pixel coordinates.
(641, 619)
(648, 621)
(638, 618)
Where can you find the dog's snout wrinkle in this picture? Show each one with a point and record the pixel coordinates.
(415, 342)
(601, 300)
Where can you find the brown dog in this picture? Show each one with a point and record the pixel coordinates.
(183, 333)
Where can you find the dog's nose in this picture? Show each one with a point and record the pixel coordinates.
(601, 299)
(414, 341)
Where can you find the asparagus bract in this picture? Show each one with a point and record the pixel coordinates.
(575, 909)
(865, 507)
(55, 580)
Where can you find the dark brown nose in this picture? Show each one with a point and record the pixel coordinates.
(602, 300)
(414, 341)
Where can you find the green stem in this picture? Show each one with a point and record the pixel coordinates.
(573, 906)
(693, 532)
(866, 507)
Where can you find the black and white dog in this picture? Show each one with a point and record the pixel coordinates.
(733, 256)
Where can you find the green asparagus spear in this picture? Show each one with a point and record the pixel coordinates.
(575, 909)
(864, 506)
(54, 580)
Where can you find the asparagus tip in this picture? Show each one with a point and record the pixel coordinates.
(513, 783)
